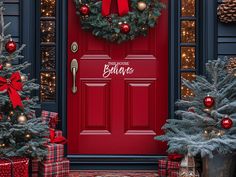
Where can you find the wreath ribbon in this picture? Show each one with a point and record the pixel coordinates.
(123, 7)
(12, 85)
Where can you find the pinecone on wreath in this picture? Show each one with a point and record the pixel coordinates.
(227, 11)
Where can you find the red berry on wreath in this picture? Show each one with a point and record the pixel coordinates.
(1, 66)
(226, 123)
(209, 101)
(125, 28)
(84, 10)
(10, 46)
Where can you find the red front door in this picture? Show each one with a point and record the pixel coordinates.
(117, 113)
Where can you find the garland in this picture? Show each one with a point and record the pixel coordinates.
(126, 25)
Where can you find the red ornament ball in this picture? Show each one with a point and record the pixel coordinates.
(10, 46)
(1, 66)
(226, 123)
(84, 10)
(209, 101)
(125, 28)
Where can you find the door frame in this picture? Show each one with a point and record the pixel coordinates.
(134, 162)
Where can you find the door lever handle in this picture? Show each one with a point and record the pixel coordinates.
(74, 69)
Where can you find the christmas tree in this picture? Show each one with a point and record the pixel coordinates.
(205, 123)
(21, 133)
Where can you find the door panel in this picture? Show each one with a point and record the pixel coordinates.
(122, 97)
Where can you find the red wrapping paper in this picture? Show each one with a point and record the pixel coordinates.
(35, 174)
(55, 169)
(164, 164)
(55, 152)
(51, 118)
(168, 173)
(168, 168)
(34, 167)
(19, 166)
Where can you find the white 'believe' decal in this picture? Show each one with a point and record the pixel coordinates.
(117, 68)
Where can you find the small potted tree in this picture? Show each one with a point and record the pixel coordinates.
(206, 122)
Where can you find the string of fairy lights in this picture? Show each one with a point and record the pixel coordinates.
(48, 50)
(188, 38)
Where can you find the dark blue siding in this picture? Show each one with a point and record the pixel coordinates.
(12, 14)
(226, 39)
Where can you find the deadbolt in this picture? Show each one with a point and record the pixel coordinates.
(74, 47)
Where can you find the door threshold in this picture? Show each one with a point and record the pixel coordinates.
(113, 162)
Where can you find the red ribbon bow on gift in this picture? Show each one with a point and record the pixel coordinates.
(123, 7)
(12, 85)
(175, 157)
(54, 139)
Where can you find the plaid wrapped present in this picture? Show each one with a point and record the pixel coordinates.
(34, 174)
(168, 173)
(34, 167)
(55, 152)
(165, 164)
(14, 167)
(56, 169)
(168, 168)
(51, 118)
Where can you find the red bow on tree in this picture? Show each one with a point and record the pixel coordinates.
(12, 85)
(123, 7)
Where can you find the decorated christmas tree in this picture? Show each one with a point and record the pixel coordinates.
(205, 123)
(21, 133)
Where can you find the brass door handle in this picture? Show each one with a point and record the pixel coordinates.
(74, 69)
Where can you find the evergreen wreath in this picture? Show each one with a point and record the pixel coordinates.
(116, 28)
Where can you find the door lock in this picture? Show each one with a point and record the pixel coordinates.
(74, 69)
(74, 47)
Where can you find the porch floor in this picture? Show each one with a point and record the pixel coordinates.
(114, 173)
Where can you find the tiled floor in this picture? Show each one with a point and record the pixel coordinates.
(120, 173)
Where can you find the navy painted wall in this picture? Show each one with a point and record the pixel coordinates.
(226, 39)
(12, 14)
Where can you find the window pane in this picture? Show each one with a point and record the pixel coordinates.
(48, 8)
(188, 31)
(48, 58)
(47, 31)
(185, 91)
(188, 8)
(187, 57)
(48, 86)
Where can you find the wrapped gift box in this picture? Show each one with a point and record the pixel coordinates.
(168, 168)
(14, 166)
(51, 118)
(34, 167)
(55, 152)
(55, 169)
(168, 173)
(165, 164)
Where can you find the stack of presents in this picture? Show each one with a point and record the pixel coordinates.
(177, 165)
(54, 164)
